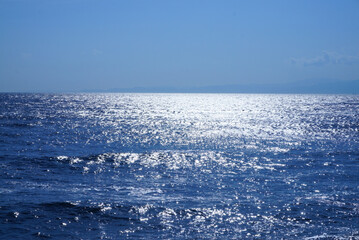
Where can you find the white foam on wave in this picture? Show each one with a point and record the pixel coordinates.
(205, 161)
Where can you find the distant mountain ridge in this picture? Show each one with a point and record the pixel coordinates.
(320, 87)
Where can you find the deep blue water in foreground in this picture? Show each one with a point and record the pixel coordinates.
(179, 166)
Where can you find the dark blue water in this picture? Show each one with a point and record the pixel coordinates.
(179, 166)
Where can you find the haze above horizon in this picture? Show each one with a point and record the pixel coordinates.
(63, 45)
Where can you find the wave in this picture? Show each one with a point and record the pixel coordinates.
(205, 161)
(128, 220)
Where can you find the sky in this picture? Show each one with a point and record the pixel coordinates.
(77, 45)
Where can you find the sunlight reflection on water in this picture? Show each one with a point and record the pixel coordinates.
(180, 166)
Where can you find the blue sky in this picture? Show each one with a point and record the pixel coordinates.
(74, 45)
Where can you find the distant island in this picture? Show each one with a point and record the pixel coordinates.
(307, 87)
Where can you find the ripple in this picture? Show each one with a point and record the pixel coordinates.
(179, 166)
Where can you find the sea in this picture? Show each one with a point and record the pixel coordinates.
(179, 166)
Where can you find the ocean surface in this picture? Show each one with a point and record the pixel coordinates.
(179, 166)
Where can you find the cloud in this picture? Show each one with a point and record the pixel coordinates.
(96, 52)
(26, 55)
(326, 58)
